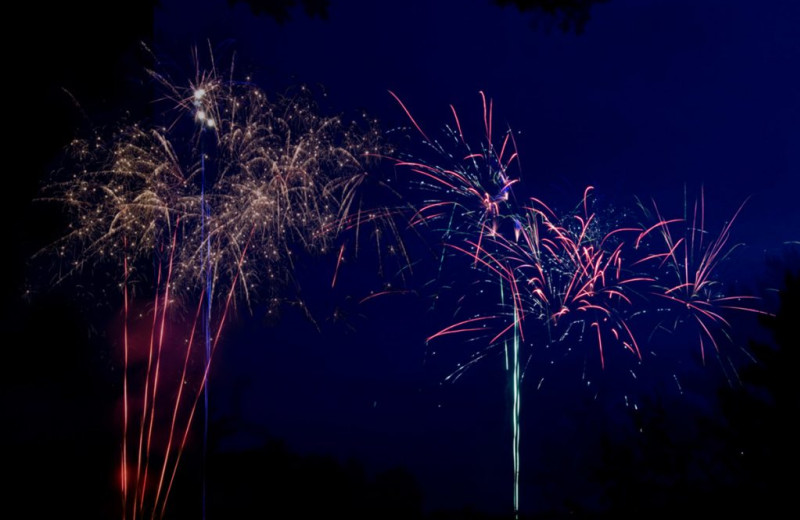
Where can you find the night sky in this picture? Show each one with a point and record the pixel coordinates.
(649, 99)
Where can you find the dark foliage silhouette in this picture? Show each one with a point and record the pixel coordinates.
(274, 482)
(568, 15)
(279, 9)
(679, 457)
(763, 413)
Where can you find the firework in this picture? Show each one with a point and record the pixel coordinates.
(474, 192)
(562, 280)
(575, 279)
(571, 271)
(468, 205)
(213, 202)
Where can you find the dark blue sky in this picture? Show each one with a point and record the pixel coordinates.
(652, 97)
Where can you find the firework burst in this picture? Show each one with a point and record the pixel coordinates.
(565, 280)
(213, 202)
(474, 192)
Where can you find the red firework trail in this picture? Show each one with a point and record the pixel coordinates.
(157, 372)
(206, 372)
(178, 433)
(178, 398)
(125, 350)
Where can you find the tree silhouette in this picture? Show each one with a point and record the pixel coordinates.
(764, 434)
(569, 15)
(396, 495)
(672, 462)
(279, 9)
(272, 481)
(738, 462)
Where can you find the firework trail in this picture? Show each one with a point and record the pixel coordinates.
(571, 281)
(471, 196)
(213, 201)
(568, 283)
